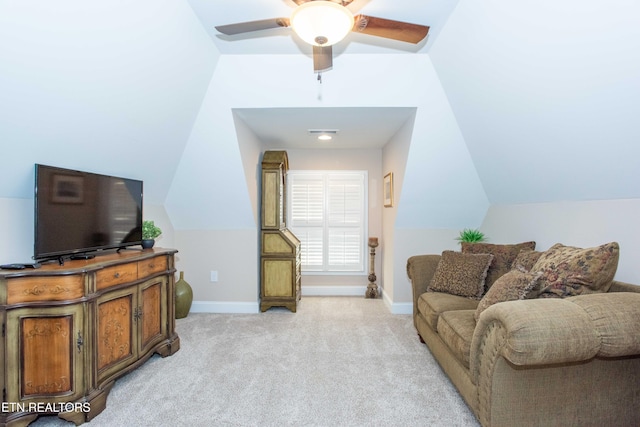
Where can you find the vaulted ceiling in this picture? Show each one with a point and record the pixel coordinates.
(287, 127)
(543, 94)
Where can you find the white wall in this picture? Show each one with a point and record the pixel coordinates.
(395, 154)
(212, 195)
(581, 224)
(230, 253)
(251, 149)
(545, 93)
(110, 87)
(16, 229)
(100, 86)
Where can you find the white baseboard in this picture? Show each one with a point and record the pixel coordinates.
(333, 291)
(224, 307)
(397, 307)
(309, 291)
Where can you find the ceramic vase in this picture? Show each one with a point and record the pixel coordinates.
(184, 297)
(148, 243)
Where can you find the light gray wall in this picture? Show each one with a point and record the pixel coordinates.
(394, 162)
(545, 93)
(213, 193)
(577, 223)
(94, 86)
(100, 87)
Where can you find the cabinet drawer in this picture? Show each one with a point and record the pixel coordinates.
(46, 288)
(116, 275)
(150, 266)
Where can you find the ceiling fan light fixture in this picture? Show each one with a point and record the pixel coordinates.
(321, 23)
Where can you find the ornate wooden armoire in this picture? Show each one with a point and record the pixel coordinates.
(279, 248)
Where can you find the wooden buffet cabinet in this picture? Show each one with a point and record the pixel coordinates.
(68, 332)
(279, 248)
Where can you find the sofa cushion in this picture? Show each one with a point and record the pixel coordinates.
(432, 304)
(461, 274)
(503, 256)
(456, 330)
(526, 259)
(514, 285)
(568, 271)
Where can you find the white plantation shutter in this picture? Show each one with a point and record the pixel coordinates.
(311, 247)
(327, 214)
(307, 200)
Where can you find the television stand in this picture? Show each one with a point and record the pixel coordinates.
(81, 256)
(75, 258)
(124, 248)
(71, 331)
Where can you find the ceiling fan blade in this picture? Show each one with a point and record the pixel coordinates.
(247, 27)
(387, 28)
(322, 58)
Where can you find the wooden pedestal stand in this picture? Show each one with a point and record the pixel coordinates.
(372, 288)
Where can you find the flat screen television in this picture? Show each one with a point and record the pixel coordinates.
(78, 213)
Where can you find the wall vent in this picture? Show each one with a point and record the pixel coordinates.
(323, 131)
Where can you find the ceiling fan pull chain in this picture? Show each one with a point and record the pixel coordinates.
(319, 86)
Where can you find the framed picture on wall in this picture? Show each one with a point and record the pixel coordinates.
(387, 190)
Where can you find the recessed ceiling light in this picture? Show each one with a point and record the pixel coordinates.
(323, 134)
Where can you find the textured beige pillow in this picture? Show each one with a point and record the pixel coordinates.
(526, 259)
(514, 285)
(461, 274)
(568, 271)
(503, 256)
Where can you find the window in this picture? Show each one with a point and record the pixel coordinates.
(327, 213)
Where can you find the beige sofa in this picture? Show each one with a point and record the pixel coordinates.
(535, 361)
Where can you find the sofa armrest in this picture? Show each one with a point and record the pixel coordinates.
(420, 269)
(623, 287)
(549, 331)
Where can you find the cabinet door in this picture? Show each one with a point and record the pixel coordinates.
(278, 277)
(115, 331)
(152, 323)
(45, 354)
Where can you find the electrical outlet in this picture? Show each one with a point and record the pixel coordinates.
(214, 276)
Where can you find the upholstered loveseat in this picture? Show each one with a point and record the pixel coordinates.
(543, 340)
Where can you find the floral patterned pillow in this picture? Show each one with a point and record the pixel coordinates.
(514, 285)
(461, 274)
(568, 271)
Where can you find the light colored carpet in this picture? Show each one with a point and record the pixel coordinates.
(338, 361)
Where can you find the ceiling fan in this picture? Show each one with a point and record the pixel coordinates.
(322, 23)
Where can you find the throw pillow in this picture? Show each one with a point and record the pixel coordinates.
(514, 285)
(461, 274)
(503, 256)
(568, 271)
(526, 259)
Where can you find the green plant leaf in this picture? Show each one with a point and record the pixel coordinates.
(150, 230)
(471, 236)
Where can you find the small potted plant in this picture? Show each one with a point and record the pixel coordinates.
(469, 235)
(149, 233)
